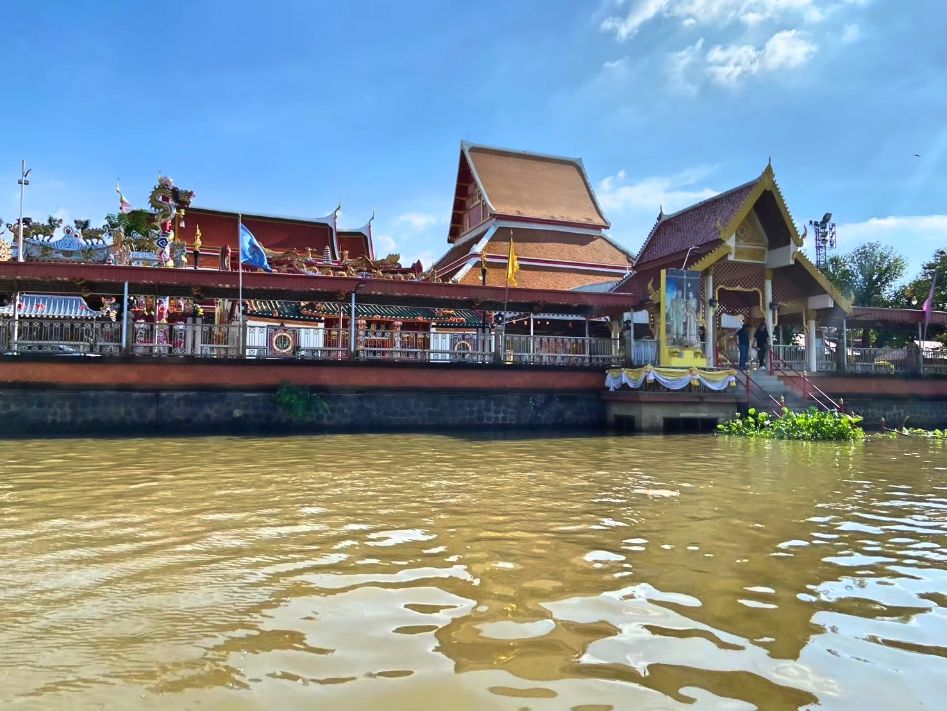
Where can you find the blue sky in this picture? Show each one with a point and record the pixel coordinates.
(281, 107)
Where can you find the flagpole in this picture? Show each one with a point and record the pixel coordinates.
(240, 285)
(506, 297)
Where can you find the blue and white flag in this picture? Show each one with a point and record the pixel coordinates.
(250, 250)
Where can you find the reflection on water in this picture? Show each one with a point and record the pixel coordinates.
(426, 572)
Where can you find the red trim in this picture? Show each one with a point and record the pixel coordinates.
(52, 278)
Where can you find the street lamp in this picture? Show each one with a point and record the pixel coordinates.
(22, 182)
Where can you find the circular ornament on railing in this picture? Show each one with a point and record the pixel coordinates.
(282, 342)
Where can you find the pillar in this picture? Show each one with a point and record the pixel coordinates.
(124, 350)
(767, 305)
(532, 350)
(710, 320)
(844, 345)
(396, 338)
(811, 353)
(352, 325)
(630, 345)
(614, 329)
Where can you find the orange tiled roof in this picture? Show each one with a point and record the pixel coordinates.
(529, 185)
(534, 277)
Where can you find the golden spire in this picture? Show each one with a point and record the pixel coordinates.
(197, 237)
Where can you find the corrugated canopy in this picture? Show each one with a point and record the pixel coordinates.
(315, 311)
(49, 306)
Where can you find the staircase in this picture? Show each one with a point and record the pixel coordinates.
(764, 387)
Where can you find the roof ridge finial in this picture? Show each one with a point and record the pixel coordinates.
(660, 212)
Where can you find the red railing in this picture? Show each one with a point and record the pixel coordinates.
(809, 390)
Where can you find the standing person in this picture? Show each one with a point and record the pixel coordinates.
(762, 344)
(743, 341)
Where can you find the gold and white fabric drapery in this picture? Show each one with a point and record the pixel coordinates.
(670, 378)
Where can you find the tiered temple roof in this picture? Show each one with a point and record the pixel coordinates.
(545, 204)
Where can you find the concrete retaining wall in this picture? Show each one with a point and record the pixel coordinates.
(61, 412)
(929, 414)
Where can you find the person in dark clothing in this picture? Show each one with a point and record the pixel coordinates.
(762, 344)
(743, 341)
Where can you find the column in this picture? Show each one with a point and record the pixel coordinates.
(630, 343)
(811, 353)
(124, 349)
(710, 320)
(532, 350)
(587, 344)
(767, 308)
(614, 329)
(844, 346)
(396, 338)
(352, 326)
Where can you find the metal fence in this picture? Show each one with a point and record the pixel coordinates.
(150, 340)
(561, 350)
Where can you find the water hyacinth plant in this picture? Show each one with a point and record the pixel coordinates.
(811, 425)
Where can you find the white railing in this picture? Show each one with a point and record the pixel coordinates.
(561, 350)
(790, 355)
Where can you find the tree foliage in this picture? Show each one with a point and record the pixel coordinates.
(136, 222)
(918, 289)
(869, 274)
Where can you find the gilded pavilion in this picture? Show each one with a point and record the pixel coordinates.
(749, 254)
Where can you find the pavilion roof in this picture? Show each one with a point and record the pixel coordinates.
(532, 185)
(694, 226)
(885, 316)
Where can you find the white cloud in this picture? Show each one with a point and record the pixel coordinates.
(711, 12)
(729, 65)
(632, 206)
(672, 192)
(617, 65)
(683, 68)
(641, 11)
(417, 220)
(787, 50)
(384, 245)
(914, 236)
(851, 33)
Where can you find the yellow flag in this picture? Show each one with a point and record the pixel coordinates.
(512, 266)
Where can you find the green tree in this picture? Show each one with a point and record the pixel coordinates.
(917, 291)
(869, 275)
(140, 222)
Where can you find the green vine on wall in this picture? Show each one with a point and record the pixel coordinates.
(300, 402)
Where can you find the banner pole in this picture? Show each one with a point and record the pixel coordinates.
(240, 287)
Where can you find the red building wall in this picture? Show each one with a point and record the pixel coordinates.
(220, 229)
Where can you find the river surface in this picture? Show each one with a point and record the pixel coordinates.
(413, 572)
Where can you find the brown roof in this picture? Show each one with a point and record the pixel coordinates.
(871, 314)
(694, 226)
(534, 186)
(541, 244)
(533, 277)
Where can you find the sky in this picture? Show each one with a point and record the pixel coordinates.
(283, 107)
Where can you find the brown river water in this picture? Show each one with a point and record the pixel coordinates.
(412, 572)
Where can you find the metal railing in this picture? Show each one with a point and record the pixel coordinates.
(561, 350)
(163, 340)
(792, 355)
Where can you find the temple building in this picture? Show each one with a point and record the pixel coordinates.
(749, 255)
(546, 205)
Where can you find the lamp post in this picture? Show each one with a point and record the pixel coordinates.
(22, 182)
(20, 257)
